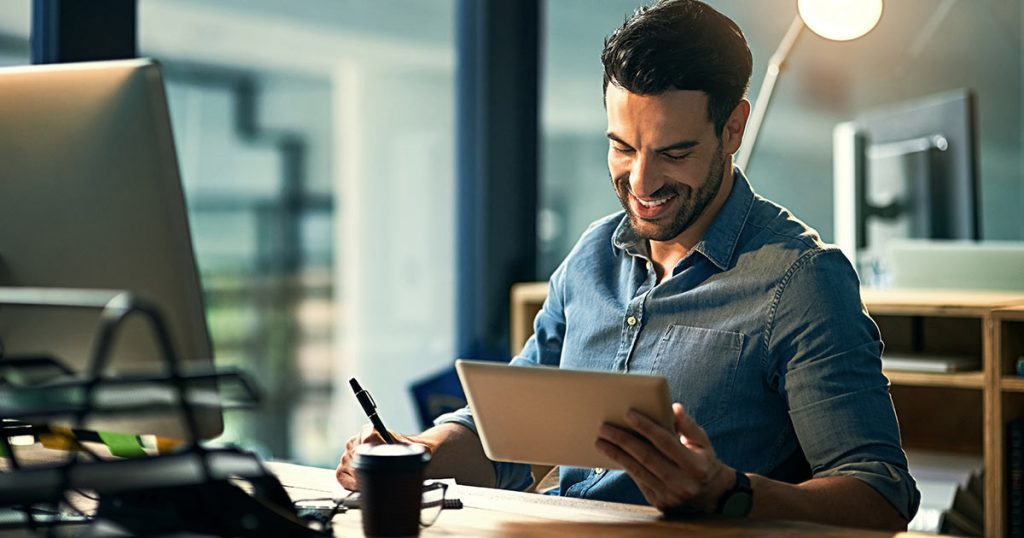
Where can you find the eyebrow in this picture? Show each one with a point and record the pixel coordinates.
(685, 144)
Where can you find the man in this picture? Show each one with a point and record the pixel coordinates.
(757, 324)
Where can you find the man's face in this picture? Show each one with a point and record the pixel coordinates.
(665, 159)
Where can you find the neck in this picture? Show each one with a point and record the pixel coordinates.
(667, 254)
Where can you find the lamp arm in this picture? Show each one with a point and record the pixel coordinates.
(776, 65)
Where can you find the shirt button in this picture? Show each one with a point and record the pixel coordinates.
(631, 321)
(650, 266)
(599, 470)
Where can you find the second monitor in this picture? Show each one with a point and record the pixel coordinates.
(906, 171)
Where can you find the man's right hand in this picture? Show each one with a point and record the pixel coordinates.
(345, 472)
(455, 452)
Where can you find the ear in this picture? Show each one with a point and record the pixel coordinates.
(732, 133)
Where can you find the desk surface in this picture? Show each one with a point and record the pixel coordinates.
(490, 512)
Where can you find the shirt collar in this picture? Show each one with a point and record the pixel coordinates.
(719, 241)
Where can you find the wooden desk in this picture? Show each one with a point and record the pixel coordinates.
(490, 512)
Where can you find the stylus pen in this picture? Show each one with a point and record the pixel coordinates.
(370, 408)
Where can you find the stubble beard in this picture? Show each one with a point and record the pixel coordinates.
(692, 205)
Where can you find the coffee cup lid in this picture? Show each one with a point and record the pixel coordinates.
(396, 457)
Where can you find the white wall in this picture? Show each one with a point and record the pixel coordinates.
(395, 258)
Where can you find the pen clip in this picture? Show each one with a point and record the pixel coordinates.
(369, 397)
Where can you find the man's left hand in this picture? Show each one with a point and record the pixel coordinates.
(674, 469)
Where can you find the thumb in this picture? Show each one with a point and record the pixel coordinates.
(370, 436)
(692, 433)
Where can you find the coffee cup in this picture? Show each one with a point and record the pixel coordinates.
(391, 487)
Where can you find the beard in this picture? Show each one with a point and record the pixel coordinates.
(691, 204)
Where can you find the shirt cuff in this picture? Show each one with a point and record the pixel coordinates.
(515, 476)
(892, 482)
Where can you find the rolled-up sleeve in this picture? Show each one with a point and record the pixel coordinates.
(543, 348)
(827, 351)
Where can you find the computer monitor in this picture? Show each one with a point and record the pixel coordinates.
(90, 197)
(907, 171)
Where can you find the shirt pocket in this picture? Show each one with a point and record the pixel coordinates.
(700, 365)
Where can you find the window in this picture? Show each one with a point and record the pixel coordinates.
(316, 144)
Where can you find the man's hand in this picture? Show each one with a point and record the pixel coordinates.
(674, 469)
(345, 472)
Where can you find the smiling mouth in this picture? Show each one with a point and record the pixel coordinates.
(654, 203)
(653, 209)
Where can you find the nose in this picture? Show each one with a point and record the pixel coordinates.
(643, 177)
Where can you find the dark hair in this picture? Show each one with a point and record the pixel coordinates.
(682, 45)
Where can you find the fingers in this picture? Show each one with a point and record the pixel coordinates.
(648, 483)
(347, 479)
(345, 473)
(667, 442)
(637, 449)
(663, 491)
(671, 468)
(694, 434)
(368, 435)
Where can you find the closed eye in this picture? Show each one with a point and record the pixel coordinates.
(619, 145)
(676, 156)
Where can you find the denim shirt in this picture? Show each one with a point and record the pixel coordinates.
(761, 334)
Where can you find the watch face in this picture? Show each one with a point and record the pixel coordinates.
(738, 504)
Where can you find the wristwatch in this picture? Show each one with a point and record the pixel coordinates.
(738, 500)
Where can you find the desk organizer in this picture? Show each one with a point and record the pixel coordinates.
(183, 487)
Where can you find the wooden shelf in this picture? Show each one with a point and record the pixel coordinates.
(937, 302)
(1011, 383)
(1013, 313)
(958, 380)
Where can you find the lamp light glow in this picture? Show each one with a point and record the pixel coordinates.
(840, 20)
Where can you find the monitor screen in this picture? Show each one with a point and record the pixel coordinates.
(92, 199)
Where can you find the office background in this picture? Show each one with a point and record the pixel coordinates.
(319, 141)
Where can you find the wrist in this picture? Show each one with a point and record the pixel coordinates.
(429, 446)
(436, 437)
(738, 499)
(718, 486)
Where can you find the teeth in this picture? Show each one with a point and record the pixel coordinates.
(653, 203)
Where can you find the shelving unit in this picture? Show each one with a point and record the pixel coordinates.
(937, 411)
(963, 412)
(1007, 328)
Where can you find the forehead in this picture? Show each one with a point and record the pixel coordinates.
(672, 114)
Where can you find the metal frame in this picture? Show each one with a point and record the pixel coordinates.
(129, 488)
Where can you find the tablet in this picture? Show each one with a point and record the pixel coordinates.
(551, 416)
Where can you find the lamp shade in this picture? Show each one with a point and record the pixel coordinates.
(840, 20)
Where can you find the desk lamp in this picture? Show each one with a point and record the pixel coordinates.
(838, 20)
